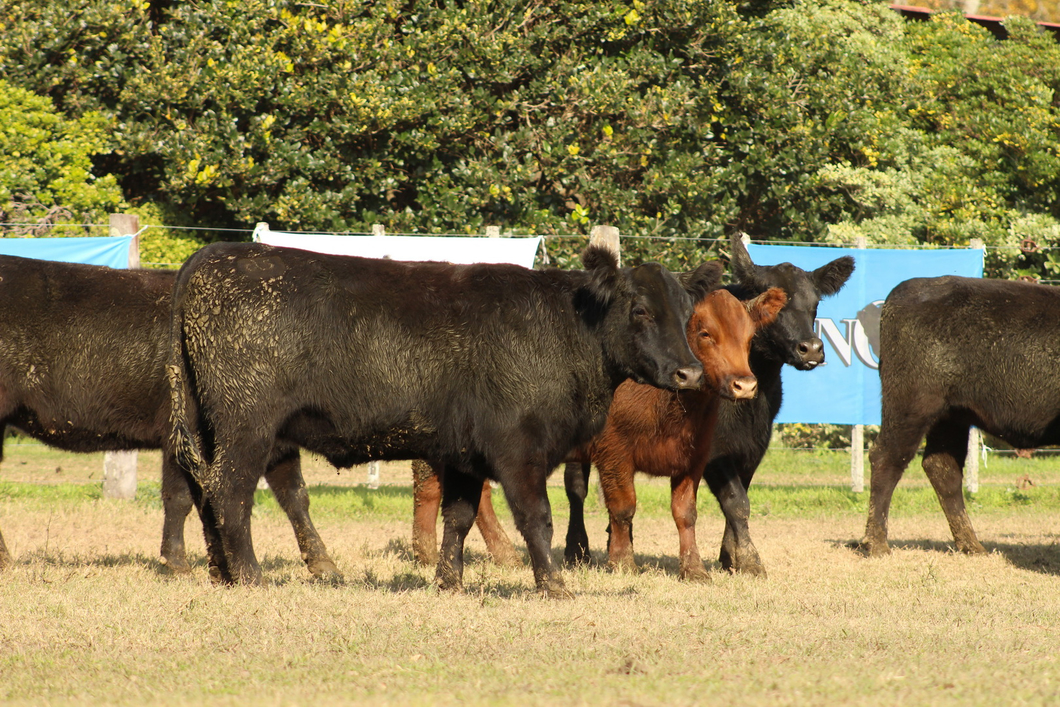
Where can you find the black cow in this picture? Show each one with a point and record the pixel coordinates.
(744, 427)
(83, 352)
(494, 371)
(957, 352)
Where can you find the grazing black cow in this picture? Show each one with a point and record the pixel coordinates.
(744, 427)
(957, 352)
(493, 371)
(83, 352)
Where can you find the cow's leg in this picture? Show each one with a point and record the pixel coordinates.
(176, 505)
(944, 453)
(5, 556)
(461, 494)
(497, 542)
(683, 492)
(576, 482)
(284, 477)
(216, 562)
(895, 447)
(738, 553)
(620, 497)
(426, 500)
(229, 484)
(527, 495)
(232, 499)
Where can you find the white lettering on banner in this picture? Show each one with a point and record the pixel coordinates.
(827, 330)
(854, 343)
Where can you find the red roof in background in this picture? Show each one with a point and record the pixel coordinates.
(996, 25)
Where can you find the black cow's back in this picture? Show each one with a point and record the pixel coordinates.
(390, 359)
(984, 348)
(82, 353)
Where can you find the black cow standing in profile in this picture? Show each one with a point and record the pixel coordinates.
(83, 352)
(493, 371)
(957, 352)
(745, 427)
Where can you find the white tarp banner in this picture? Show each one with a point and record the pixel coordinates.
(451, 249)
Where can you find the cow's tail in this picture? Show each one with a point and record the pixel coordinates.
(186, 429)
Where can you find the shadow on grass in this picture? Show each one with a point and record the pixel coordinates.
(1044, 559)
(58, 558)
(1041, 558)
(668, 565)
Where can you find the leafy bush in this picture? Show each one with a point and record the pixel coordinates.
(46, 170)
(806, 121)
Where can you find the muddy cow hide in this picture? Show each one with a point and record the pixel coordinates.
(492, 371)
(83, 352)
(956, 352)
(669, 433)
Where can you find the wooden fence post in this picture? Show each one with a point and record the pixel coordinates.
(372, 481)
(857, 433)
(975, 437)
(857, 458)
(608, 237)
(119, 468)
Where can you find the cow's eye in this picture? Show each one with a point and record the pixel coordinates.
(704, 334)
(641, 312)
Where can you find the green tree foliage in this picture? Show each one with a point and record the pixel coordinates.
(46, 163)
(807, 121)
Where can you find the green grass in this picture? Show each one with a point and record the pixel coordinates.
(790, 484)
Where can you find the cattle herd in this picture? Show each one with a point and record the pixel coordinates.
(497, 373)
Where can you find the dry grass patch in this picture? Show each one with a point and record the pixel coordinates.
(88, 617)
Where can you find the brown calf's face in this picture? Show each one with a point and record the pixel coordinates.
(720, 332)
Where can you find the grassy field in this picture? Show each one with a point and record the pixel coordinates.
(87, 616)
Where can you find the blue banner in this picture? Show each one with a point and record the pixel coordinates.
(112, 251)
(846, 390)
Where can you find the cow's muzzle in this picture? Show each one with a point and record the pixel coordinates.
(810, 354)
(688, 378)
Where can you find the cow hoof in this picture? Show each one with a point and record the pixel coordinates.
(578, 557)
(971, 549)
(623, 566)
(696, 574)
(175, 565)
(555, 590)
(325, 572)
(871, 549)
(217, 576)
(425, 557)
(451, 587)
(449, 582)
(752, 570)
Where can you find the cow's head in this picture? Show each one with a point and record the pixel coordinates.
(791, 338)
(720, 333)
(645, 312)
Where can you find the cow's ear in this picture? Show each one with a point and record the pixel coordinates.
(765, 307)
(831, 277)
(602, 266)
(740, 264)
(702, 280)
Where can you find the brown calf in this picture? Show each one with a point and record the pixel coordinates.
(669, 433)
(427, 495)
